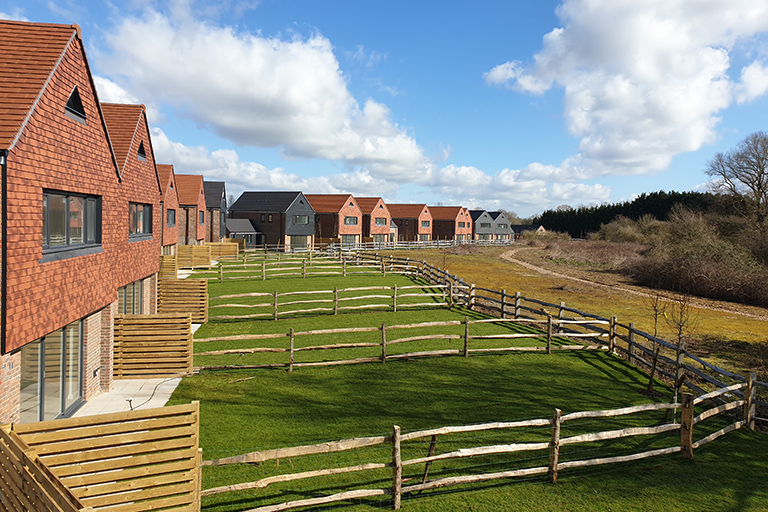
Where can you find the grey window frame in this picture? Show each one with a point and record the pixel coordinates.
(91, 226)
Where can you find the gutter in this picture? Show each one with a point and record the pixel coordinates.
(4, 247)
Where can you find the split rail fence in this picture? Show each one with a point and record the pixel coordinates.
(336, 300)
(552, 441)
(135, 461)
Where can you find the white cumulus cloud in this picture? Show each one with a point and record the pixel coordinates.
(642, 81)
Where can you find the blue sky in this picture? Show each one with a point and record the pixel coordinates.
(523, 105)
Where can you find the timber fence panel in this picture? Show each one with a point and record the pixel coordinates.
(26, 484)
(193, 256)
(152, 345)
(184, 296)
(168, 267)
(223, 251)
(132, 461)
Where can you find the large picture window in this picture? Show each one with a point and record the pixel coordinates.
(425, 223)
(139, 219)
(301, 219)
(130, 299)
(380, 221)
(350, 221)
(70, 220)
(51, 374)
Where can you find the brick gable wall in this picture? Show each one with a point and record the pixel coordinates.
(171, 202)
(58, 153)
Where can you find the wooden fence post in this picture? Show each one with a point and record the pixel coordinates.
(303, 269)
(749, 401)
(560, 316)
(503, 304)
(397, 469)
(383, 342)
(450, 295)
(445, 288)
(344, 268)
(290, 362)
(221, 273)
(335, 300)
(466, 336)
(383, 268)
(245, 260)
(275, 296)
(391, 263)
(612, 335)
(394, 299)
(549, 334)
(686, 427)
(554, 448)
(679, 370)
(632, 359)
(472, 296)
(518, 300)
(264, 270)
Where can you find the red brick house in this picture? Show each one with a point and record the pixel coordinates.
(337, 218)
(66, 241)
(451, 223)
(169, 206)
(140, 193)
(191, 220)
(414, 221)
(376, 219)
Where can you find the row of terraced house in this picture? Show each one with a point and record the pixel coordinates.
(86, 213)
(297, 220)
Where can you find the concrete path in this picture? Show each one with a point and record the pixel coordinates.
(143, 394)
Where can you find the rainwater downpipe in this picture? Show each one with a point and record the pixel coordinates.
(4, 245)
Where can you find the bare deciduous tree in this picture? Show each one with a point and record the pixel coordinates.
(743, 172)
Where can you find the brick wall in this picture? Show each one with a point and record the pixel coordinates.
(92, 330)
(212, 225)
(10, 382)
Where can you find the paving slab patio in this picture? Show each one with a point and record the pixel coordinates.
(131, 394)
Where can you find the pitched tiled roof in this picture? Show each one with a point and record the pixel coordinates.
(29, 53)
(265, 201)
(476, 214)
(164, 171)
(368, 204)
(214, 190)
(445, 212)
(410, 211)
(329, 203)
(242, 226)
(189, 186)
(123, 123)
(495, 215)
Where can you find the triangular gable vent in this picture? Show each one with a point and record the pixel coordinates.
(74, 108)
(141, 153)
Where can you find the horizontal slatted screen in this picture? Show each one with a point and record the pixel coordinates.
(152, 345)
(132, 461)
(184, 296)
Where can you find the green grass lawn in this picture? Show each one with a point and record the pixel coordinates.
(273, 409)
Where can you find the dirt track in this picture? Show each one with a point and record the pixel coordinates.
(698, 303)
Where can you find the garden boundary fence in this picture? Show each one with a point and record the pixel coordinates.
(193, 256)
(383, 338)
(398, 440)
(337, 300)
(133, 461)
(27, 484)
(224, 251)
(186, 296)
(152, 345)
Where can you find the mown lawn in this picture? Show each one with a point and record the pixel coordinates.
(248, 410)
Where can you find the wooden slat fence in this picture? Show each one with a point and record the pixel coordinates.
(336, 300)
(193, 256)
(152, 345)
(224, 251)
(133, 461)
(188, 296)
(26, 484)
(550, 446)
(168, 267)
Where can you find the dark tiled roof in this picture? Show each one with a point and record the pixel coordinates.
(123, 123)
(264, 201)
(495, 215)
(242, 226)
(189, 187)
(29, 54)
(329, 203)
(214, 191)
(476, 214)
